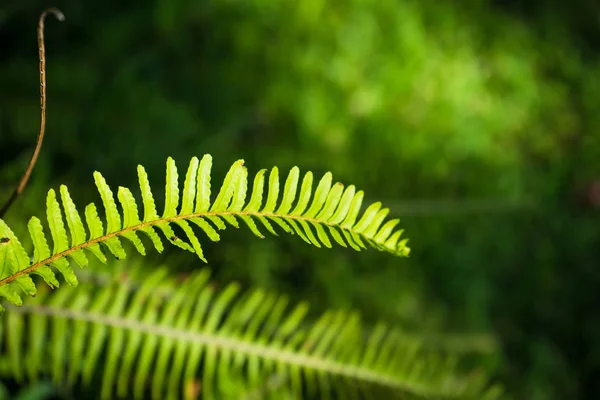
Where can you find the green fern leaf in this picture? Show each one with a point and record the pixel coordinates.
(171, 190)
(203, 185)
(144, 334)
(131, 219)
(189, 188)
(73, 219)
(113, 217)
(330, 213)
(96, 231)
(305, 192)
(147, 198)
(41, 252)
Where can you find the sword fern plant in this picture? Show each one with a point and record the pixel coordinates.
(153, 335)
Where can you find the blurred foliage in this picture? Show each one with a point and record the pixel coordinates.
(132, 330)
(478, 123)
(37, 391)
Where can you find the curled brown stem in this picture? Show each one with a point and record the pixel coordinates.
(42, 53)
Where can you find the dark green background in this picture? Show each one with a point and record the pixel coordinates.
(477, 122)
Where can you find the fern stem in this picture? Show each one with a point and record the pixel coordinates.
(42, 54)
(140, 226)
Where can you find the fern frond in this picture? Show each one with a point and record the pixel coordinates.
(331, 213)
(163, 336)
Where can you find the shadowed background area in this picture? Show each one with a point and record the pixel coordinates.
(478, 126)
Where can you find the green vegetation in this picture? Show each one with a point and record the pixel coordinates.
(476, 125)
(331, 208)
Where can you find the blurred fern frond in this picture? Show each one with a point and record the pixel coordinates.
(178, 338)
(332, 211)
